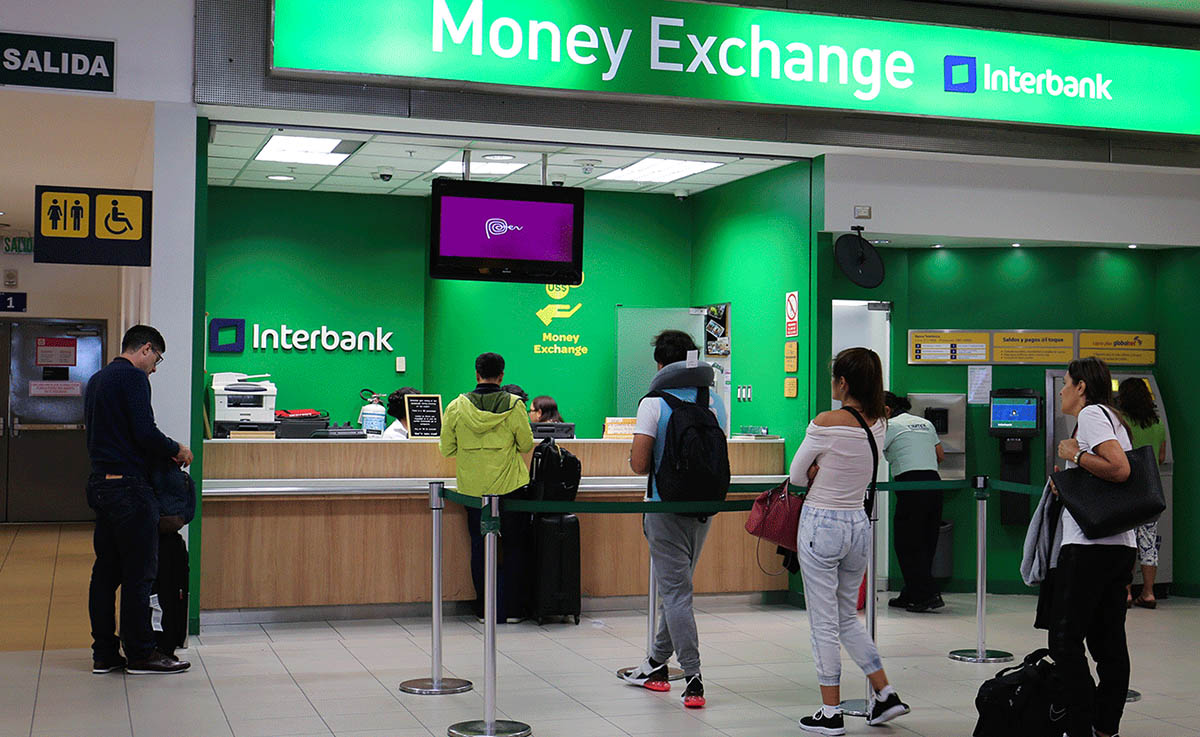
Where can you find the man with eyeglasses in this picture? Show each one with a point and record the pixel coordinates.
(123, 444)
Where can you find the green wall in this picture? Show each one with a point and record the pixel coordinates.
(307, 259)
(637, 252)
(750, 247)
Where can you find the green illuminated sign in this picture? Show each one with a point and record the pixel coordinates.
(746, 55)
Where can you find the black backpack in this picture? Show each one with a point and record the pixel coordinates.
(1018, 700)
(554, 473)
(695, 462)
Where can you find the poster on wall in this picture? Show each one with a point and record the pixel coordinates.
(1121, 349)
(55, 352)
(716, 330)
(948, 346)
(1033, 346)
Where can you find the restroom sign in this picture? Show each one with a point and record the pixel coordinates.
(791, 314)
(83, 225)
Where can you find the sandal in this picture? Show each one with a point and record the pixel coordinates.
(1145, 603)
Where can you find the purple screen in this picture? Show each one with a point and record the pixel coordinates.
(474, 227)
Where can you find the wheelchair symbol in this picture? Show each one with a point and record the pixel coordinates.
(116, 217)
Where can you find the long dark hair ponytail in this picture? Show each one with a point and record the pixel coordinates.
(863, 372)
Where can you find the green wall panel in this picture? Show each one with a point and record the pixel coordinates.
(637, 252)
(307, 259)
(750, 249)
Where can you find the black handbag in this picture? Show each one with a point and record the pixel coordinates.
(1103, 508)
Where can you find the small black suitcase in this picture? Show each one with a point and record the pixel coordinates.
(556, 569)
(170, 621)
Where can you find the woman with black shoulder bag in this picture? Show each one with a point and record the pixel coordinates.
(1089, 596)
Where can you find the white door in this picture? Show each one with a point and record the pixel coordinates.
(859, 323)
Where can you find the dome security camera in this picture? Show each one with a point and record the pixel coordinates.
(383, 174)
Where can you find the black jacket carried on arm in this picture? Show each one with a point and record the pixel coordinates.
(121, 435)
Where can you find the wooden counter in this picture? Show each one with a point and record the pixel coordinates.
(278, 550)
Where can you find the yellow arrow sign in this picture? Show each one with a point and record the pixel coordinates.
(553, 312)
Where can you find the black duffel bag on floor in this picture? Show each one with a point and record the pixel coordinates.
(1017, 701)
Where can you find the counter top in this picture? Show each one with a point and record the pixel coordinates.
(433, 441)
(415, 486)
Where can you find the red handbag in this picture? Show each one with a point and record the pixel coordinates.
(775, 516)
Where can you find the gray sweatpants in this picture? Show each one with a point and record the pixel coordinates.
(675, 544)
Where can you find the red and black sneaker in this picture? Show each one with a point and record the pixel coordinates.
(693, 693)
(649, 675)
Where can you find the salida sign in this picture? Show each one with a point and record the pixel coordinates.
(56, 61)
(708, 51)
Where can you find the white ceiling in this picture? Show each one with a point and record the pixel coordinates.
(412, 159)
(71, 140)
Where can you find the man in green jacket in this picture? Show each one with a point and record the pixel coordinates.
(487, 431)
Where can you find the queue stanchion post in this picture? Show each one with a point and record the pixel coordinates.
(435, 685)
(489, 726)
(862, 707)
(673, 674)
(980, 653)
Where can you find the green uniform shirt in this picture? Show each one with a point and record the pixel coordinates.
(909, 444)
(1154, 436)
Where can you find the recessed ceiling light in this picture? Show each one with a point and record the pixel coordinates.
(938, 245)
(280, 177)
(302, 150)
(659, 171)
(1131, 245)
(1016, 245)
(456, 167)
(498, 157)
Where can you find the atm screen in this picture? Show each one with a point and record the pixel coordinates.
(1014, 413)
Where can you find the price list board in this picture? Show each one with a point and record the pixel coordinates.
(948, 346)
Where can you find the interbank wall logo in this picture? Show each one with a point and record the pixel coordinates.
(497, 227)
(226, 335)
(961, 74)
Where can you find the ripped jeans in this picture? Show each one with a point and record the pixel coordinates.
(833, 546)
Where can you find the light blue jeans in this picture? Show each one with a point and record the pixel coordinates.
(833, 546)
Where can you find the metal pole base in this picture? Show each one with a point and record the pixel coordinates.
(428, 687)
(673, 674)
(499, 728)
(1132, 696)
(973, 656)
(855, 708)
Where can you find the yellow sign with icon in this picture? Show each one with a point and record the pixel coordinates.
(88, 225)
(118, 217)
(1124, 349)
(64, 214)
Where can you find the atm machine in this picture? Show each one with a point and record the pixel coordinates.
(1060, 426)
(948, 413)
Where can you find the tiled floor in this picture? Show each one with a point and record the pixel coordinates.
(340, 678)
(44, 572)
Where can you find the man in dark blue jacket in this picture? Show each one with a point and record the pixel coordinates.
(123, 444)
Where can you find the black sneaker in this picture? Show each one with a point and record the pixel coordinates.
(157, 663)
(900, 602)
(648, 675)
(822, 724)
(885, 710)
(934, 602)
(108, 665)
(693, 693)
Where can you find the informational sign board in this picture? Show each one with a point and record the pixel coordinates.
(13, 301)
(1033, 346)
(979, 384)
(55, 351)
(83, 225)
(58, 62)
(791, 357)
(1121, 349)
(791, 314)
(791, 387)
(55, 388)
(709, 51)
(1054, 347)
(948, 346)
(423, 415)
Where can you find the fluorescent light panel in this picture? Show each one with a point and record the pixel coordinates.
(482, 167)
(659, 171)
(302, 150)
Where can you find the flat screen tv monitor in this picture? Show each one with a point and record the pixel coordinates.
(1014, 416)
(491, 231)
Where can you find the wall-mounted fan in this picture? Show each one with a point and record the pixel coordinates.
(858, 259)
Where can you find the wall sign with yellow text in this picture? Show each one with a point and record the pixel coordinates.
(83, 225)
(1056, 347)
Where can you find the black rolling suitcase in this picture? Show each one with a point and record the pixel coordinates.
(170, 616)
(556, 570)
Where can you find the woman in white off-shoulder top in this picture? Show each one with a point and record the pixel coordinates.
(833, 543)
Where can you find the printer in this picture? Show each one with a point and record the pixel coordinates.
(241, 402)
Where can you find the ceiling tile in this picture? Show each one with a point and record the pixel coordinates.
(268, 184)
(537, 148)
(258, 176)
(278, 167)
(407, 151)
(232, 152)
(607, 161)
(227, 138)
(261, 130)
(219, 181)
(410, 141)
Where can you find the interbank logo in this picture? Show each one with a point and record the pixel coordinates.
(226, 335)
(960, 74)
(498, 227)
